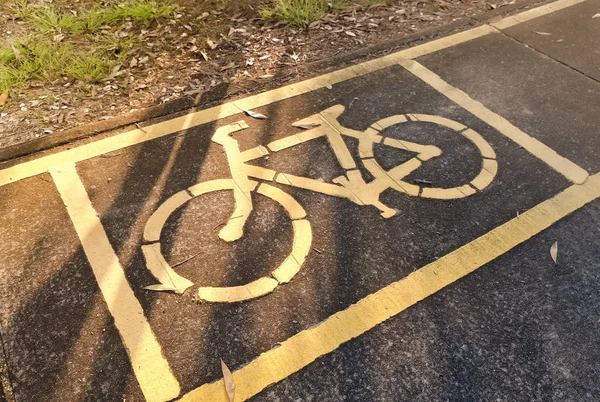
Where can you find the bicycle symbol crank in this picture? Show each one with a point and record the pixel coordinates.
(351, 186)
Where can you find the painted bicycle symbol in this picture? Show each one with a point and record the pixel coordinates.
(352, 186)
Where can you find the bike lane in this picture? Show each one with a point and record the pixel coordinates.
(354, 253)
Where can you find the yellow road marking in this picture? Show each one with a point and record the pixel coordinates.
(534, 13)
(302, 349)
(129, 138)
(561, 164)
(149, 365)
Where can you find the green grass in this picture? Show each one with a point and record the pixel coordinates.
(48, 19)
(46, 60)
(86, 52)
(303, 12)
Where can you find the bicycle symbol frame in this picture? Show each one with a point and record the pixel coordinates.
(351, 186)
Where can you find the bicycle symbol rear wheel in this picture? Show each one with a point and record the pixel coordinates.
(170, 280)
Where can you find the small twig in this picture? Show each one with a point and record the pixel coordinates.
(140, 127)
(316, 250)
(110, 155)
(423, 183)
(186, 260)
(350, 105)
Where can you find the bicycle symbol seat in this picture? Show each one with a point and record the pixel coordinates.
(351, 186)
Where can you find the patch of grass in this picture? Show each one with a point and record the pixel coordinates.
(91, 60)
(303, 12)
(90, 69)
(45, 60)
(49, 19)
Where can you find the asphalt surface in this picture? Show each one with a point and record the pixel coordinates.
(519, 328)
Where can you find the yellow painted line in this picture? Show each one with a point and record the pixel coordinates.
(559, 163)
(137, 136)
(149, 365)
(302, 349)
(534, 13)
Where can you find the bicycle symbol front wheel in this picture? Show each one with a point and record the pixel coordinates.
(489, 166)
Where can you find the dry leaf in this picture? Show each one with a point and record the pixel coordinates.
(596, 16)
(542, 33)
(3, 97)
(554, 252)
(228, 66)
(161, 287)
(255, 115)
(228, 380)
(306, 126)
(328, 86)
(114, 73)
(211, 44)
(350, 33)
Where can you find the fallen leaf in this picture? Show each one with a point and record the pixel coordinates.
(264, 77)
(133, 63)
(255, 115)
(350, 33)
(542, 33)
(228, 66)
(306, 126)
(114, 73)
(328, 86)
(161, 287)
(228, 380)
(596, 16)
(554, 252)
(3, 97)
(211, 44)
(58, 38)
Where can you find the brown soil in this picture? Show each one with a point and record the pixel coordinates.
(202, 46)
